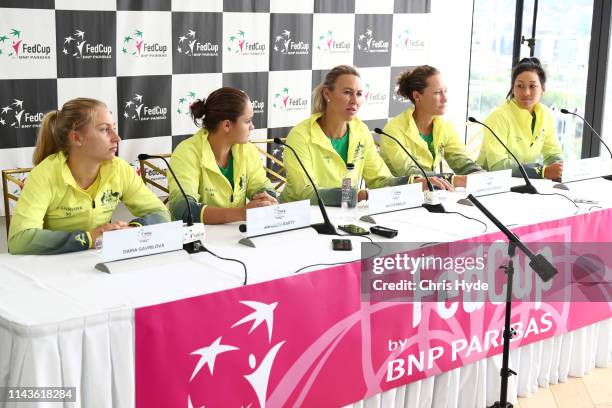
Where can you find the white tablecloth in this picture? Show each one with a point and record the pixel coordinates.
(62, 323)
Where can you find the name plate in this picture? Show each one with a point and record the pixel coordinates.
(491, 182)
(276, 218)
(394, 198)
(141, 241)
(586, 169)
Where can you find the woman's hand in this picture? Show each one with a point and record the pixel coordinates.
(111, 226)
(554, 171)
(436, 182)
(264, 197)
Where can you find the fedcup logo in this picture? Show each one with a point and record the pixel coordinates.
(327, 43)
(258, 106)
(367, 42)
(408, 41)
(136, 110)
(144, 236)
(240, 43)
(134, 44)
(15, 46)
(214, 354)
(285, 45)
(184, 103)
(372, 97)
(189, 45)
(13, 115)
(397, 97)
(76, 46)
(283, 100)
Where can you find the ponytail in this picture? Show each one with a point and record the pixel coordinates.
(57, 125)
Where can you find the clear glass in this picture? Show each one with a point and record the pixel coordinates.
(563, 33)
(491, 64)
(606, 129)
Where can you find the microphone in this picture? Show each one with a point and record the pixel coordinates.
(193, 246)
(326, 227)
(528, 188)
(431, 200)
(566, 112)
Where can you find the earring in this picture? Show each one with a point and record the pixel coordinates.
(328, 100)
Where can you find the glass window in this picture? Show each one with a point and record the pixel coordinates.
(606, 128)
(492, 39)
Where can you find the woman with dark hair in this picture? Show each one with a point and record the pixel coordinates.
(76, 184)
(526, 126)
(424, 132)
(217, 167)
(331, 138)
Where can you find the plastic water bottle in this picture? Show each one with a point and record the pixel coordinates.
(349, 195)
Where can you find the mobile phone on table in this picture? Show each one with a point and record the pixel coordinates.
(383, 231)
(342, 244)
(353, 229)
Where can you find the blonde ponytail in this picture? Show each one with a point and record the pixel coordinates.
(57, 125)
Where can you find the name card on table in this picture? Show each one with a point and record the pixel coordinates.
(141, 241)
(394, 198)
(491, 182)
(276, 218)
(586, 168)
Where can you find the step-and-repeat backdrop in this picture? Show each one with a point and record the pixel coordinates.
(148, 60)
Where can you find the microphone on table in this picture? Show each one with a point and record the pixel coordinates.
(432, 203)
(326, 227)
(528, 188)
(566, 112)
(195, 245)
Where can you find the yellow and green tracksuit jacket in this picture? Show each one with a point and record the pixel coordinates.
(53, 214)
(194, 164)
(512, 124)
(445, 141)
(325, 165)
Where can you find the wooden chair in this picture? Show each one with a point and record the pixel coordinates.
(10, 178)
(276, 174)
(148, 164)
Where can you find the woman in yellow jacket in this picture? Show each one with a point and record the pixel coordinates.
(217, 167)
(332, 137)
(71, 193)
(526, 126)
(424, 132)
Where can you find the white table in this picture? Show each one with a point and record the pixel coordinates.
(64, 323)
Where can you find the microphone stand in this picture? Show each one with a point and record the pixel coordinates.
(326, 227)
(528, 188)
(431, 206)
(566, 112)
(190, 247)
(545, 271)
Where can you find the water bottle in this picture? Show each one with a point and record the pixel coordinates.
(349, 195)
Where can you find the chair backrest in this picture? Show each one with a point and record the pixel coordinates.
(10, 179)
(274, 165)
(148, 166)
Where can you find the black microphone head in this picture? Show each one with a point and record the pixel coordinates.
(143, 156)
(242, 227)
(565, 111)
(378, 130)
(277, 140)
(472, 119)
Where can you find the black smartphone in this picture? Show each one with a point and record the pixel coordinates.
(342, 244)
(353, 229)
(383, 231)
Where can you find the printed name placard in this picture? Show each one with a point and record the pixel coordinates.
(586, 168)
(489, 182)
(394, 198)
(141, 241)
(276, 218)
